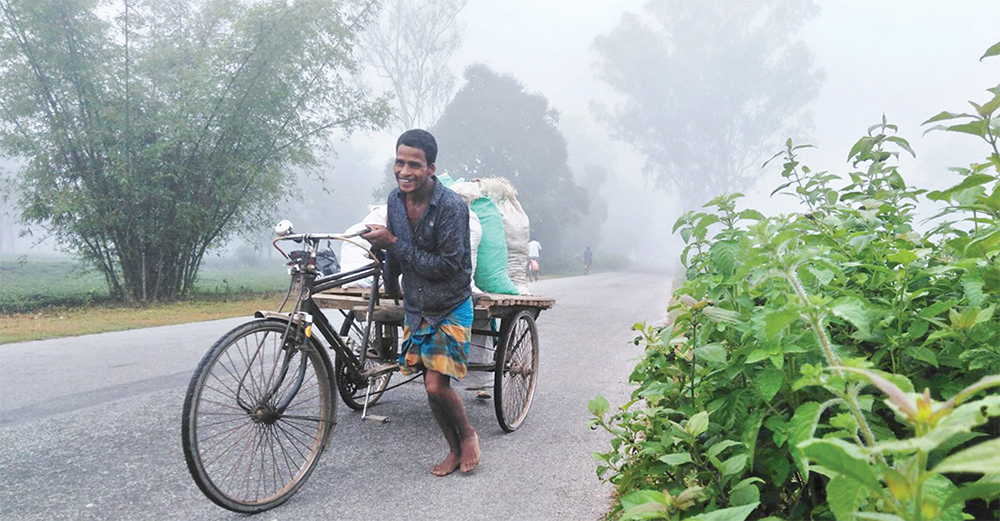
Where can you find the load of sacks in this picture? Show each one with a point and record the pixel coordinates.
(498, 228)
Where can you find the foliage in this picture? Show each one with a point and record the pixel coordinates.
(162, 132)
(493, 127)
(757, 390)
(707, 88)
(409, 45)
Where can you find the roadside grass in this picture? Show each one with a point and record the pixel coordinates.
(60, 322)
(43, 297)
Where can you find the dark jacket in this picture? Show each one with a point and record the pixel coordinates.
(435, 257)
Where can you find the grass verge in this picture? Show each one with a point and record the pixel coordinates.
(60, 322)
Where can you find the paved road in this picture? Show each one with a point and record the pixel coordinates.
(90, 426)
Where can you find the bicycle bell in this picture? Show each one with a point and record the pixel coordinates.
(283, 228)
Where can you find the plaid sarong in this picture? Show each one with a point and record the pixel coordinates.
(443, 348)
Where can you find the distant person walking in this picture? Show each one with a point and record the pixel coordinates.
(588, 259)
(534, 259)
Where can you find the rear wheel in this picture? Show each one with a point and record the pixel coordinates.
(516, 362)
(352, 332)
(258, 413)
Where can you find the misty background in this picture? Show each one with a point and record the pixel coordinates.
(904, 59)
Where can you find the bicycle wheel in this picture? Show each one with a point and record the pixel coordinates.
(516, 362)
(353, 331)
(252, 433)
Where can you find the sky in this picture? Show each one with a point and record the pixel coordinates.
(907, 59)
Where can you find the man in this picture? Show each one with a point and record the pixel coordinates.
(427, 241)
(534, 255)
(588, 258)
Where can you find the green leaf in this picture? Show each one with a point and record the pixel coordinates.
(843, 458)
(800, 428)
(733, 465)
(944, 116)
(876, 516)
(903, 257)
(937, 489)
(722, 315)
(739, 513)
(981, 245)
(724, 255)
(644, 504)
(769, 383)
(698, 424)
(717, 449)
(598, 405)
(745, 493)
(775, 322)
(675, 459)
(983, 458)
(987, 488)
(714, 352)
(751, 429)
(935, 309)
(925, 355)
(844, 497)
(994, 50)
(856, 311)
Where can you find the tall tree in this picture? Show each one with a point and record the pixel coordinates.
(708, 88)
(157, 134)
(409, 45)
(493, 127)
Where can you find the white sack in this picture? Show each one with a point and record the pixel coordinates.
(354, 256)
(475, 237)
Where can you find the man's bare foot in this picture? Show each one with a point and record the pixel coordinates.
(447, 466)
(470, 453)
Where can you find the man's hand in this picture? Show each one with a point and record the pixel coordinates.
(379, 236)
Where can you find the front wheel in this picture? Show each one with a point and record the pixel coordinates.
(516, 361)
(258, 413)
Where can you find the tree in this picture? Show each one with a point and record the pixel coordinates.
(410, 45)
(709, 88)
(493, 127)
(153, 136)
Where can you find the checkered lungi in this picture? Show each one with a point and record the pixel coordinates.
(443, 348)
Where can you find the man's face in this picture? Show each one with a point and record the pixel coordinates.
(411, 169)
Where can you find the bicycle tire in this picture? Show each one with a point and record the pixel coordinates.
(244, 454)
(352, 331)
(516, 361)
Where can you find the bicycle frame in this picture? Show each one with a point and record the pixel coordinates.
(305, 314)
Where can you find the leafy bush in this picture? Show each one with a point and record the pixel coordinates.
(754, 399)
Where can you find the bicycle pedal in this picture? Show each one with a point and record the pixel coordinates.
(382, 369)
(377, 418)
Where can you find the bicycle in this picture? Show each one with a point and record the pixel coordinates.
(260, 408)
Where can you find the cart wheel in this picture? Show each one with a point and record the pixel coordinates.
(352, 331)
(516, 362)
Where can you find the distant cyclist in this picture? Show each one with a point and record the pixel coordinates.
(588, 259)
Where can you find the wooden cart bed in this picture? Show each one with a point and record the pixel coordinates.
(485, 305)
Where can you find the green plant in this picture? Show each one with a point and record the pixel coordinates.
(733, 396)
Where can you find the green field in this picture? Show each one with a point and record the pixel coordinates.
(38, 281)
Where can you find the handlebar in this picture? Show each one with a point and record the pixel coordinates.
(313, 239)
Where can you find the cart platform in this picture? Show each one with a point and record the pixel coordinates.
(485, 305)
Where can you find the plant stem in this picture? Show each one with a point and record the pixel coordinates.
(815, 322)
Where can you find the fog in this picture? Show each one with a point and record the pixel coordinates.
(906, 59)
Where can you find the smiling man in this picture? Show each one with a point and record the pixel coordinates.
(427, 241)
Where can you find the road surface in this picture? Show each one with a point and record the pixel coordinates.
(90, 426)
